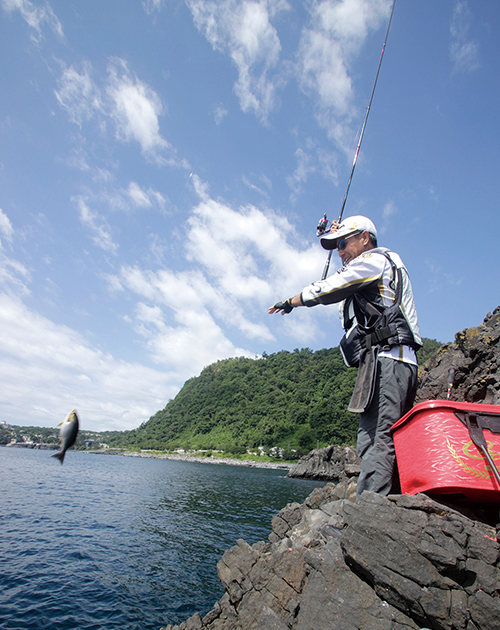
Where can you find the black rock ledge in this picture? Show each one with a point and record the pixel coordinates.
(383, 563)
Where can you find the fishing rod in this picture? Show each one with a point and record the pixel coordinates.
(327, 264)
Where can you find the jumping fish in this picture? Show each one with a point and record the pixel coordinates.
(67, 434)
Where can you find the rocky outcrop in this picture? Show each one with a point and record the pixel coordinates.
(384, 563)
(327, 464)
(475, 355)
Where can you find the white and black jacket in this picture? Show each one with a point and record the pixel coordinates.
(364, 288)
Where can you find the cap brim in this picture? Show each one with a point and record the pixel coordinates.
(329, 241)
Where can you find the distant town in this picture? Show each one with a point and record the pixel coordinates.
(44, 438)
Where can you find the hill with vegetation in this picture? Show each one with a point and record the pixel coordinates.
(293, 400)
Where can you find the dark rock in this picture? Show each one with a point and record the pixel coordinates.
(327, 464)
(475, 355)
(384, 563)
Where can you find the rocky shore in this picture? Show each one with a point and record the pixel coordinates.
(32, 445)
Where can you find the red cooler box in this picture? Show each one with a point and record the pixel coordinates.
(436, 454)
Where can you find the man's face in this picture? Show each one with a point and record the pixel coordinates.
(355, 244)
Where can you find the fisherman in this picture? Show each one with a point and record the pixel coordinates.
(381, 338)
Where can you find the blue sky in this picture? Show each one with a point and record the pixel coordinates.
(163, 166)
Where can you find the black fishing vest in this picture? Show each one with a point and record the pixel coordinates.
(383, 326)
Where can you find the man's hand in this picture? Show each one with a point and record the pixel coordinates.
(284, 307)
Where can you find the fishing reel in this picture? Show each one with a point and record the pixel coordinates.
(322, 226)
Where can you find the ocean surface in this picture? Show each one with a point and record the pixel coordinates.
(106, 541)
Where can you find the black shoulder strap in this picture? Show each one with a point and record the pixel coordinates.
(381, 334)
(399, 283)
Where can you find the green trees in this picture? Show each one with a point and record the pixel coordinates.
(288, 399)
(429, 347)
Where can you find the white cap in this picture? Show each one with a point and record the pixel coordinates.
(348, 226)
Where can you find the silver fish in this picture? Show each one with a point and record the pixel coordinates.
(67, 434)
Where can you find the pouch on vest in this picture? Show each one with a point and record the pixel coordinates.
(352, 345)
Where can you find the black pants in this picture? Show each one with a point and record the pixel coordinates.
(394, 393)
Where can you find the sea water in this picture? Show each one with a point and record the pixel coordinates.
(106, 541)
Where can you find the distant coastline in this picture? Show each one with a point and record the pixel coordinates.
(32, 445)
(250, 463)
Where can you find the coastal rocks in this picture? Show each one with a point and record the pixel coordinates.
(475, 355)
(384, 563)
(327, 464)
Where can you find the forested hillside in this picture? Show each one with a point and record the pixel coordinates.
(295, 400)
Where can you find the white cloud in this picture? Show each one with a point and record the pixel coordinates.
(249, 258)
(139, 197)
(35, 16)
(5, 226)
(152, 5)
(101, 234)
(47, 370)
(142, 198)
(246, 251)
(127, 199)
(181, 333)
(241, 261)
(389, 211)
(78, 94)
(262, 190)
(336, 33)
(313, 160)
(133, 107)
(305, 166)
(136, 109)
(464, 52)
(328, 164)
(324, 73)
(219, 114)
(243, 29)
(13, 276)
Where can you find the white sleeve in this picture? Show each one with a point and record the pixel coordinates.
(366, 269)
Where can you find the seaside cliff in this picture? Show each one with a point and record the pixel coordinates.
(382, 563)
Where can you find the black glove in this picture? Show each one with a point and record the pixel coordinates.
(285, 306)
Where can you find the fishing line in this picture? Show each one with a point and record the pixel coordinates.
(327, 264)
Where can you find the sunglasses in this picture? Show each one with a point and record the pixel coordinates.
(342, 244)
